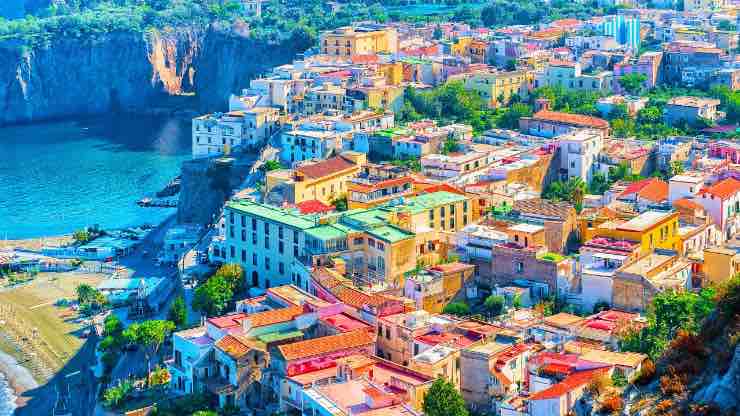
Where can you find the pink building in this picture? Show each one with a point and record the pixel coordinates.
(647, 64)
(725, 150)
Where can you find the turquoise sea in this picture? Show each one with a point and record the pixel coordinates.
(61, 176)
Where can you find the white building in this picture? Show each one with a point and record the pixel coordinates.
(178, 240)
(219, 133)
(579, 151)
(684, 186)
(722, 202)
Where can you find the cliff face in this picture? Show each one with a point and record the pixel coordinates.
(228, 60)
(130, 71)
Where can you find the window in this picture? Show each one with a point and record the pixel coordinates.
(231, 231)
(280, 232)
(359, 240)
(254, 260)
(232, 251)
(267, 228)
(431, 215)
(295, 237)
(254, 224)
(452, 209)
(243, 220)
(442, 211)
(267, 242)
(452, 223)
(380, 246)
(267, 263)
(231, 217)
(281, 249)
(387, 332)
(295, 251)
(519, 267)
(254, 238)
(371, 242)
(244, 255)
(281, 267)
(244, 235)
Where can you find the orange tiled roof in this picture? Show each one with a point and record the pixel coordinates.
(724, 189)
(233, 346)
(569, 384)
(324, 345)
(573, 119)
(274, 316)
(686, 203)
(326, 167)
(652, 189)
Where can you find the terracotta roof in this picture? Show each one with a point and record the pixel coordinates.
(227, 321)
(543, 207)
(724, 189)
(313, 206)
(326, 167)
(233, 346)
(572, 119)
(501, 377)
(562, 320)
(686, 203)
(652, 189)
(274, 316)
(324, 345)
(569, 384)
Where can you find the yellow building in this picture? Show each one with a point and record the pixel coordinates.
(440, 361)
(350, 41)
(433, 288)
(379, 96)
(323, 181)
(497, 87)
(720, 264)
(651, 229)
(461, 46)
(393, 72)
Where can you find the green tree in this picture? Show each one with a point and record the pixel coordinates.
(233, 273)
(456, 308)
(340, 204)
(676, 168)
(633, 83)
(272, 165)
(450, 146)
(89, 298)
(510, 117)
(149, 335)
(598, 184)
(178, 313)
(81, 236)
(211, 298)
(443, 399)
(494, 304)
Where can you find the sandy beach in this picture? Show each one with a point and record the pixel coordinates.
(35, 244)
(19, 377)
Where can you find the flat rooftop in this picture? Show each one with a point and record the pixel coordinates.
(645, 220)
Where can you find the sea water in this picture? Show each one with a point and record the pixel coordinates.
(7, 397)
(58, 177)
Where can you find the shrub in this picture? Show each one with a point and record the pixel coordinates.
(612, 404)
(664, 406)
(647, 373)
(672, 383)
(114, 396)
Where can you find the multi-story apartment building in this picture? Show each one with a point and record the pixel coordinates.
(324, 97)
(681, 59)
(635, 284)
(436, 286)
(497, 87)
(722, 202)
(315, 138)
(377, 184)
(690, 110)
(546, 123)
(579, 153)
(219, 133)
(323, 181)
(361, 40)
(454, 166)
(651, 229)
(383, 242)
(569, 75)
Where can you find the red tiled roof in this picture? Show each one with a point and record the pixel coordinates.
(573, 119)
(326, 167)
(724, 189)
(313, 206)
(324, 345)
(274, 316)
(364, 59)
(569, 384)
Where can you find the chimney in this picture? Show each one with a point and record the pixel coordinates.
(542, 104)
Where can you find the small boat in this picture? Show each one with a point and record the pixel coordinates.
(144, 202)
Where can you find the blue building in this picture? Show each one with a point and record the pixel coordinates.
(625, 29)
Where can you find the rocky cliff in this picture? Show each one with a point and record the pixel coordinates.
(129, 71)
